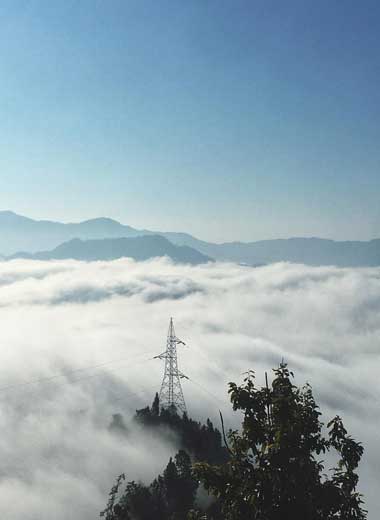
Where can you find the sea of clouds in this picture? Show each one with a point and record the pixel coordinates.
(77, 341)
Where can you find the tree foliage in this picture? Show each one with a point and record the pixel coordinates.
(171, 495)
(202, 441)
(275, 471)
(108, 512)
(273, 468)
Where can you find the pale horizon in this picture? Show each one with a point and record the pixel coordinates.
(199, 235)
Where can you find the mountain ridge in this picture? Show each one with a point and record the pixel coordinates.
(19, 233)
(139, 248)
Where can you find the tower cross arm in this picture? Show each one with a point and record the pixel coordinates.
(163, 355)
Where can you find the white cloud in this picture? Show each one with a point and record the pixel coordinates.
(58, 458)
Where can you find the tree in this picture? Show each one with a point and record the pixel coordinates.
(274, 471)
(109, 511)
(171, 481)
(187, 485)
(136, 503)
(156, 406)
(202, 442)
(169, 497)
(180, 486)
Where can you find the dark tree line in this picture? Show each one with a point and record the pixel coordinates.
(171, 495)
(273, 469)
(202, 441)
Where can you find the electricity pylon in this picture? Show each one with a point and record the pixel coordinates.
(171, 395)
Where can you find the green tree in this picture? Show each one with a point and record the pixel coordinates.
(274, 471)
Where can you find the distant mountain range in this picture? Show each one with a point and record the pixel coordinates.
(309, 251)
(42, 237)
(18, 233)
(138, 248)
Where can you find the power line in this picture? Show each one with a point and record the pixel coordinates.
(207, 392)
(171, 390)
(68, 373)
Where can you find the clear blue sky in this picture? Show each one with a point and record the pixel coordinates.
(227, 119)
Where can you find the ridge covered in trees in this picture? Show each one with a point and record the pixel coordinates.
(202, 441)
(172, 494)
(272, 469)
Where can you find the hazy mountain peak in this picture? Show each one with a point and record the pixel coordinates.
(101, 220)
(138, 248)
(18, 233)
(12, 216)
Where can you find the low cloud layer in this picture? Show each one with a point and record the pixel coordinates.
(87, 333)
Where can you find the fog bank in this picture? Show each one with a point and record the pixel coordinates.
(87, 333)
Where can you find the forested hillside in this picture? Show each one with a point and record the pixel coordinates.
(273, 469)
(172, 495)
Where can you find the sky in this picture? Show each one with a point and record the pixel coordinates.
(230, 120)
(77, 346)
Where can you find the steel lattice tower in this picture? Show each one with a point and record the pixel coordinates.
(171, 395)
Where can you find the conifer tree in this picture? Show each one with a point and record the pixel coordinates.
(156, 406)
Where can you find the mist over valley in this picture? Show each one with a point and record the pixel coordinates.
(78, 341)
